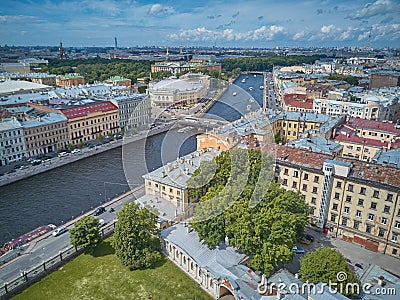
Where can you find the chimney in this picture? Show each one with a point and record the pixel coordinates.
(381, 281)
(186, 171)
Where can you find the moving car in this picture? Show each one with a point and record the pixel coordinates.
(60, 230)
(297, 250)
(99, 211)
(305, 241)
(309, 237)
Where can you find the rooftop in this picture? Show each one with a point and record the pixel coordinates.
(48, 119)
(20, 86)
(77, 110)
(317, 144)
(7, 124)
(389, 157)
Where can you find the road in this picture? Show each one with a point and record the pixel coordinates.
(270, 92)
(50, 246)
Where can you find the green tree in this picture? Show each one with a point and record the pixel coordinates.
(136, 237)
(85, 233)
(100, 138)
(323, 265)
(71, 146)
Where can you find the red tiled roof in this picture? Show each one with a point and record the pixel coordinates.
(298, 100)
(84, 110)
(369, 142)
(374, 125)
(359, 169)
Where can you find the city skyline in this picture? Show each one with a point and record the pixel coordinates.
(209, 23)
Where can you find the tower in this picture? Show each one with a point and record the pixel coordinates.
(61, 51)
(167, 55)
(115, 43)
(180, 47)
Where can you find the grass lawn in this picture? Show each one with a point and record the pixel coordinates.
(102, 276)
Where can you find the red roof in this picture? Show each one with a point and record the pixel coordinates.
(84, 110)
(375, 125)
(298, 100)
(369, 142)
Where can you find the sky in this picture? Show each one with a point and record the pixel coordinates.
(221, 23)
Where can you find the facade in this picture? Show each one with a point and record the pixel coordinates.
(45, 134)
(70, 80)
(363, 139)
(386, 79)
(44, 79)
(19, 67)
(166, 187)
(176, 67)
(12, 146)
(134, 110)
(118, 80)
(170, 92)
(354, 200)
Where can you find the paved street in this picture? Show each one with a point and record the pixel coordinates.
(50, 246)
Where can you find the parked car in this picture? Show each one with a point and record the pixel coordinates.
(60, 230)
(305, 241)
(36, 162)
(99, 211)
(75, 151)
(297, 250)
(309, 237)
(63, 154)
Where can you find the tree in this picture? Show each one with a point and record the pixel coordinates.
(259, 218)
(324, 265)
(85, 233)
(136, 237)
(71, 147)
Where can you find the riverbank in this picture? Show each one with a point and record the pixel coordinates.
(85, 153)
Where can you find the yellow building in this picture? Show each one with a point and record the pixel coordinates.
(70, 80)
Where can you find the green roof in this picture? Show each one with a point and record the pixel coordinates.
(118, 78)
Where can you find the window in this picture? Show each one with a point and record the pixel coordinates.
(394, 237)
(171, 190)
(334, 207)
(316, 179)
(284, 182)
(312, 210)
(373, 205)
(376, 194)
(350, 188)
(333, 217)
(348, 198)
(295, 174)
(360, 202)
(384, 221)
(337, 195)
(163, 188)
(294, 185)
(304, 188)
(394, 252)
(339, 184)
(314, 190)
(371, 217)
(397, 224)
(313, 200)
(381, 232)
(285, 172)
(344, 221)
(363, 190)
(386, 209)
(346, 210)
(358, 213)
(368, 229)
(356, 224)
(305, 176)
(398, 213)
(389, 197)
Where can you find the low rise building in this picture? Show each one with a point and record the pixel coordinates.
(70, 80)
(45, 133)
(13, 87)
(177, 67)
(134, 110)
(46, 79)
(384, 79)
(118, 80)
(298, 102)
(12, 145)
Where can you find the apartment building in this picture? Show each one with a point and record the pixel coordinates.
(70, 80)
(363, 139)
(12, 145)
(352, 200)
(118, 80)
(45, 133)
(298, 102)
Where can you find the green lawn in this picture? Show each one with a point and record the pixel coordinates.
(102, 276)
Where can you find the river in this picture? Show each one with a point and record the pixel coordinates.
(58, 195)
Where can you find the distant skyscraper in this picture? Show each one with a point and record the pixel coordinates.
(115, 43)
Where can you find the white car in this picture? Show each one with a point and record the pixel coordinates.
(75, 151)
(60, 230)
(63, 154)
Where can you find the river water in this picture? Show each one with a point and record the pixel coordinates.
(58, 195)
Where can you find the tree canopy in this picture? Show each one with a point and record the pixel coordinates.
(238, 202)
(136, 237)
(85, 233)
(323, 265)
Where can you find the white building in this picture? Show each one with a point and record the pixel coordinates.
(12, 146)
(134, 110)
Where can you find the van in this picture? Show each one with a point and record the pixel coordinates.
(59, 230)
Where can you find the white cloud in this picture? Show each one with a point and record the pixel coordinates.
(158, 9)
(299, 35)
(379, 7)
(328, 28)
